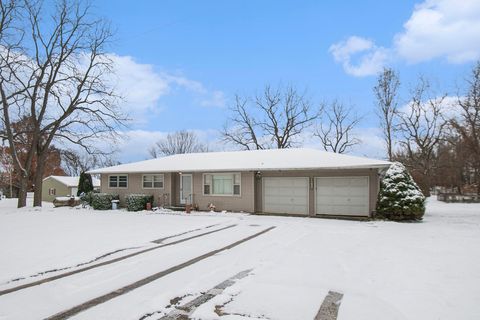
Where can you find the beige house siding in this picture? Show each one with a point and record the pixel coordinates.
(244, 202)
(160, 196)
(61, 190)
(371, 173)
(251, 198)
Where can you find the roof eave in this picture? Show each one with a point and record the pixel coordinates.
(368, 166)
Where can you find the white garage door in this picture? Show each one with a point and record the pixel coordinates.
(285, 195)
(342, 196)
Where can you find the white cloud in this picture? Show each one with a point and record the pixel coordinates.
(359, 56)
(441, 28)
(142, 87)
(134, 144)
(448, 105)
(181, 81)
(139, 84)
(371, 145)
(343, 50)
(216, 99)
(447, 29)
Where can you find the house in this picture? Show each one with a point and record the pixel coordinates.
(61, 186)
(300, 181)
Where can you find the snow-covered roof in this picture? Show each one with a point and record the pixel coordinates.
(262, 160)
(72, 181)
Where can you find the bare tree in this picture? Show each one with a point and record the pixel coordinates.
(468, 124)
(336, 128)
(61, 82)
(386, 92)
(177, 143)
(422, 128)
(274, 119)
(75, 162)
(11, 93)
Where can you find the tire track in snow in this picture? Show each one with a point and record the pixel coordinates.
(71, 267)
(329, 308)
(158, 241)
(66, 274)
(184, 311)
(137, 284)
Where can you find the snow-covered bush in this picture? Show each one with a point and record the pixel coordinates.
(87, 197)
(103, 201)
(138, 202)
(400, 198)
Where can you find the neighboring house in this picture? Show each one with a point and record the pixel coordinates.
(61, 186)
(291, 181)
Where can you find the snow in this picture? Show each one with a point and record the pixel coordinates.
(395, 180)
(72, 181)
(386, 270)
(274, 159)
(67, 198)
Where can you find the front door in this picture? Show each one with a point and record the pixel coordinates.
(186, 189)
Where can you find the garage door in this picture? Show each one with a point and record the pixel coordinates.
(285, 195)
(342, 196)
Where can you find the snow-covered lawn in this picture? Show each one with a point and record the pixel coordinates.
(385, 270)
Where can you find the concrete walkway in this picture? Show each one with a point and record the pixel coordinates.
(329, 308)
(184, 311)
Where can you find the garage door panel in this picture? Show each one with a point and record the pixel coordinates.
(357, 192)
(284, 192)
(356, 200)
(278, 199)
(285, 195)
(341, 183)
(327, 189)
(342, 196)
(359, 183)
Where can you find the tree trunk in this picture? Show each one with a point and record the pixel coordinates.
(389, 146)
(38, 180)
(22, 192)
(428, 182)
(37, 196)
(477, 174)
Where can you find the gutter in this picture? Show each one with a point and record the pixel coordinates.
(379, 166)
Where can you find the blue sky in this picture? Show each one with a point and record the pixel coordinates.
(181, 62)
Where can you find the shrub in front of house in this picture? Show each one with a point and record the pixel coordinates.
(87, 197)
(102, 201)
(400, 198)
(138, 202)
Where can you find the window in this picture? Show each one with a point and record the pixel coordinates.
(152, 181)
(221, 184)
(52, 191)
(118, 181)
